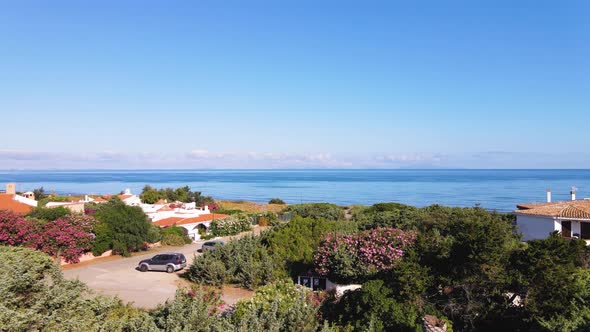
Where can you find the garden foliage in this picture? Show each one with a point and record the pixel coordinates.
(317, 210)
(348, 258)
(232, 225)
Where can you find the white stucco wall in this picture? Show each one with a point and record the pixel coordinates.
(193, 230)
(133, 201)
(536, 227)
(28, 201)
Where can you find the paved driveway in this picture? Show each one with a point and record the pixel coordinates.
(119, 277)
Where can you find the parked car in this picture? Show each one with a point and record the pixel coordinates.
(168, 262)
(211, 245)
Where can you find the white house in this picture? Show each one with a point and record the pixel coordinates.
(570, 218)
(191, 225)
(130, 199)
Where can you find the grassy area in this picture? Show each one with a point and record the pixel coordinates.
(250, 207)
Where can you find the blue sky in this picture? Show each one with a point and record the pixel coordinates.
(294, 84)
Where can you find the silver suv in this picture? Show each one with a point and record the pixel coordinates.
(211, 245)
(168, 262)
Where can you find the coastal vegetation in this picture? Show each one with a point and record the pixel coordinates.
(276, 201)
(66, 237)
(120, 228)
(317, 210)
(232, 225)
(34, 296)
(150, 195)
(466, 266)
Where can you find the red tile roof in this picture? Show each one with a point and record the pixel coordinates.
(579, 209)
(7, 202)
(124, 197)
(165, 208)
(185, 221)
(167, 222)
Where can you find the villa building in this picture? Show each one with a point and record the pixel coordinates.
(192, 225)
(11, 201)
(570, 218)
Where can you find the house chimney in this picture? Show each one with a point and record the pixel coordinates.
(548, 195)
(11, 188)
(573, 193)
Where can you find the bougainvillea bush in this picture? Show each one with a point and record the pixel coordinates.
(16, 230)
(67, 237)
(354, 257)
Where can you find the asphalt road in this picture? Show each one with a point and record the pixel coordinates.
(118, 276)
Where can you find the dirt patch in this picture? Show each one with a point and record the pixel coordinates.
(232, 294)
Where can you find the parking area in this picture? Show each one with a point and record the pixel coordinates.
(119, 277)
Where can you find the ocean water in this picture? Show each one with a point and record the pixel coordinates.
(492, 189)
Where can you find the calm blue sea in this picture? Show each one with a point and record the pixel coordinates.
(492, 189)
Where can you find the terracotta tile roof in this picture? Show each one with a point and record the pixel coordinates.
(167, 222)
(185, 221)
(165, 208)
(7, 202)
(579, 209)
(124, 197)
(202, 218)
(99, 199)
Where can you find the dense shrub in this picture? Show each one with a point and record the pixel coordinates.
(231, 225)
(276, 201)
(357, 256)
(245, 260)
(18, 231)
(154, 234)
(67, 237)
(176, 230)
(49, 214)
(281, 306)
(292, 244)
(373, 306)
(196, 309)
(387, 215)
(175, 240)
(317, 210)
(34, 296)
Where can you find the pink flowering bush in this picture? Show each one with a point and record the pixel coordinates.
(352, 257)
(67, 237)
(16, 230)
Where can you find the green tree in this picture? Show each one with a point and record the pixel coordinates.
(121, 228)
(149, 195)
(39, 193)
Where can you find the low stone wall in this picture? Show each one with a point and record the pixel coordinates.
(88, 257)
